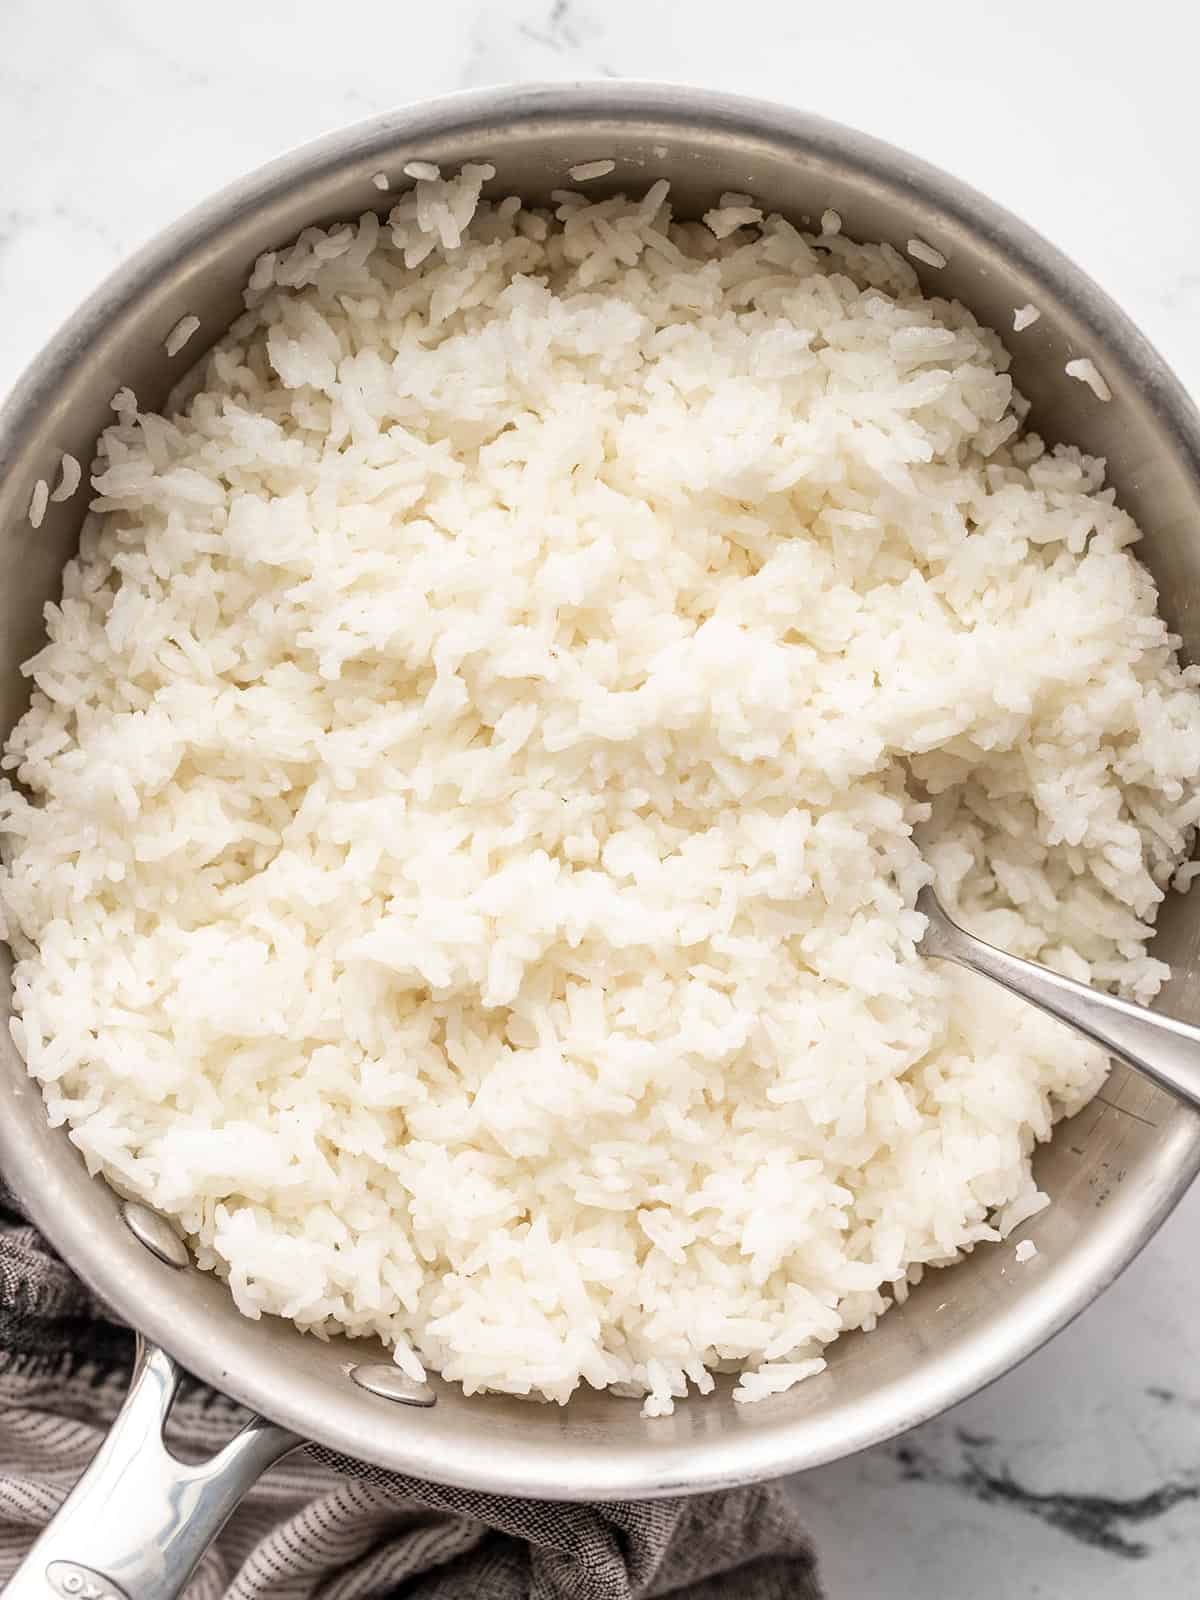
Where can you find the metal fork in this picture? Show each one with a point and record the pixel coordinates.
(1165, 1049)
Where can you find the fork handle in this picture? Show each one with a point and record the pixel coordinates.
(1165, 1049)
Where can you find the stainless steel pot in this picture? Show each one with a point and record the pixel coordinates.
(1115, 1171)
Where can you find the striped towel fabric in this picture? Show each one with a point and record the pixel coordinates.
(321, 1527)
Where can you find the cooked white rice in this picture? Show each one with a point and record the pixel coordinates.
(180, 334)
(38, 501)
(1024, 317)
(920, 251)
(1086, 371)
(735, 211)
(70, 474)
(124, 403)
(586, 170)
(483, 762)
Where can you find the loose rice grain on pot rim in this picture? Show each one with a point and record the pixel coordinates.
(480, 772)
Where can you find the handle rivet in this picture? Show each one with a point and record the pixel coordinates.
(391, 1384)
(156, 1233)
(81, 1583)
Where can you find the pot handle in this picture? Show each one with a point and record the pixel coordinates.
(138, 1521)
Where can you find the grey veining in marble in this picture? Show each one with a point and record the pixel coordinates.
(1078, 1475)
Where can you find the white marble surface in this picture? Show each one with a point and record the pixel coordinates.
(1078, 1475)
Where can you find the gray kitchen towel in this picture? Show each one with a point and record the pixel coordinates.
(321, 1527)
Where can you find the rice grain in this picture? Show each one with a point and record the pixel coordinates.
(920, 251)
(180, 334)
(70, 473)
(587, 170)
(1086, 371)
(38, 501)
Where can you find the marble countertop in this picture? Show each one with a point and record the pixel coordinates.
(1079, 1474)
